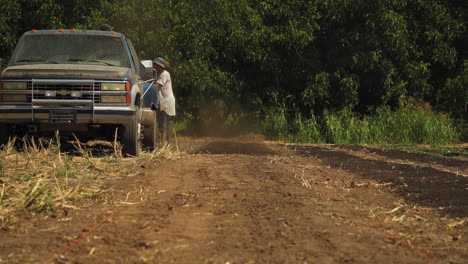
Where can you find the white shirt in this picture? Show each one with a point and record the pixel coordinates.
(165, 94)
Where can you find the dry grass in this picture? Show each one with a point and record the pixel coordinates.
(41, 177)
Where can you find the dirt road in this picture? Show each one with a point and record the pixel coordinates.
(241, 201)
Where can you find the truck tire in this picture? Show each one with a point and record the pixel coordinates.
(131, 138)
(150, 134)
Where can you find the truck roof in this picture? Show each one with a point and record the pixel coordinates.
(72, 32)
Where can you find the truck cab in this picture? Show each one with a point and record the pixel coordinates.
(77, 82)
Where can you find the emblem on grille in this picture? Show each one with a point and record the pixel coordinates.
(62, 92)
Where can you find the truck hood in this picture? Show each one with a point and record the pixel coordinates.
(66, 71)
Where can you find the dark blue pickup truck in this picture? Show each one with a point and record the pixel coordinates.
(80, 82)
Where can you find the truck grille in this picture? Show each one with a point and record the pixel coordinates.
(64, 90)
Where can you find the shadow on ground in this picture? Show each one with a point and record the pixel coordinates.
(229, 147)
(97, 148)
(410, 156)
(425, 186)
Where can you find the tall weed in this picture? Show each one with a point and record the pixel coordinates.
(402, 126)
(307, 130)
(275, 124)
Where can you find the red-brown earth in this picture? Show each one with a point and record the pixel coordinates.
(246, 200)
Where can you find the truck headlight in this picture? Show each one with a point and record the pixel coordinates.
(15, 85)
(113, 99)
(112, 86)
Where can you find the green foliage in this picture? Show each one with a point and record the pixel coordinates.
(388, 49)
(344, 127)
(307, 131)
(18, 16)
(275, 124)
(9, 11)
(412, 126)
(223, 52)
(403, 126)
(455, 93)
(334, 59)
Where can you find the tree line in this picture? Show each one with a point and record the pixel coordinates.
(304, 57)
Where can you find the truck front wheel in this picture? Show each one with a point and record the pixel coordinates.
(150, 134)
(131, 138)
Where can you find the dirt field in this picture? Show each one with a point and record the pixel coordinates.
(250, 201)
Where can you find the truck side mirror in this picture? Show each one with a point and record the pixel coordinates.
(146, 70)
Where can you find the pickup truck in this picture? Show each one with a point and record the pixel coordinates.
(78, 82)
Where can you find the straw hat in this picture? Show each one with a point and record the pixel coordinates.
(160, 61)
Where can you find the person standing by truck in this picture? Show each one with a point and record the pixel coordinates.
(166, 98)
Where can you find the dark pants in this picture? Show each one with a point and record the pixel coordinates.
(164, 126)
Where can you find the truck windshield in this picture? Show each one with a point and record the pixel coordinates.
(70, 49)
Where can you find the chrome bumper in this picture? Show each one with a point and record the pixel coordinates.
(26, 114)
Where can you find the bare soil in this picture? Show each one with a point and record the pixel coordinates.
(245, 200)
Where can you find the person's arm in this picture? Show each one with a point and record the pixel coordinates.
(161, 80)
